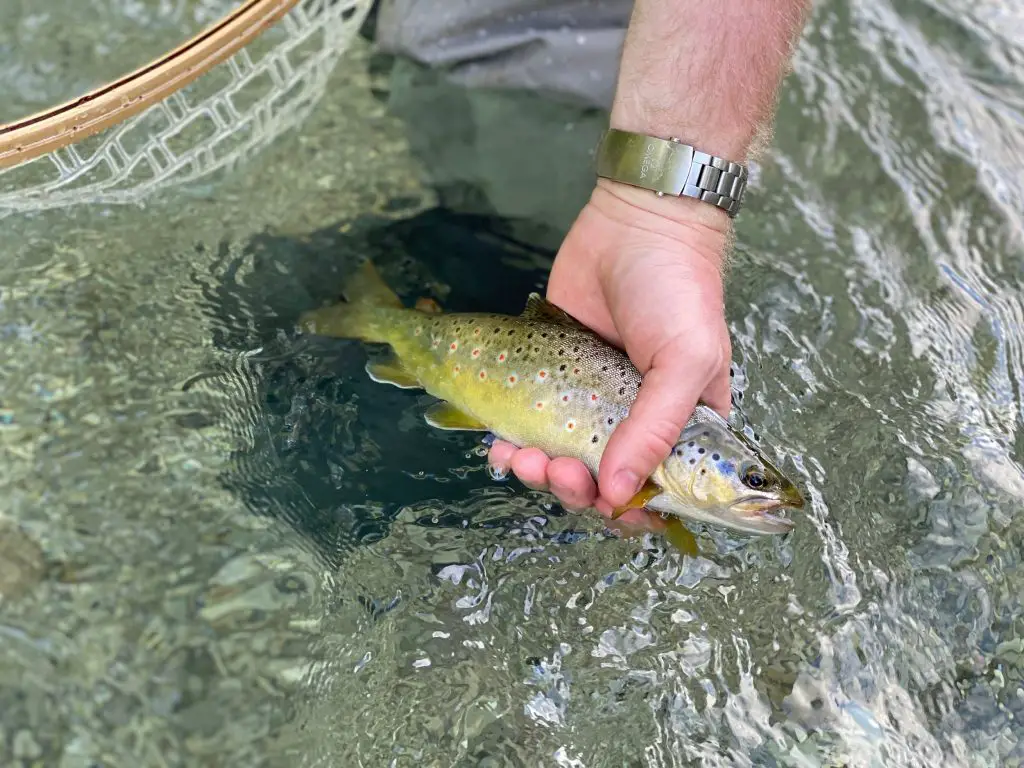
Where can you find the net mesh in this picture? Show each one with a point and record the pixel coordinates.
(217, 121)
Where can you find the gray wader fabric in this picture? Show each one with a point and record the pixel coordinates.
(505, 100)
(566, 48)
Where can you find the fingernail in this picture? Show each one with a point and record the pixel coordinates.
(626, 482)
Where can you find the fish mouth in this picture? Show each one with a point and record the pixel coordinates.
(758, 514)
(767, 514)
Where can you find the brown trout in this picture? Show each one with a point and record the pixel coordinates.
(543, 379)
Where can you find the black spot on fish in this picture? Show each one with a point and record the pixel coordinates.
(543, 335)
(707, 434)
(693, 461)
(622, 390)
(529, 335)
(604, 367)
(511, 331)
(497, 330)
(561, 335)
(690, 443)
(593, 439)
(561, 352)
(611, 420)
(714, 457)
(561, 367)
(701, 450)
(519, 349)
(576, 349)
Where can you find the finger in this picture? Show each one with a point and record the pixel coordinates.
(531, 467)
(718, 394)
(645, 437)
(500, 455)
(572, 483)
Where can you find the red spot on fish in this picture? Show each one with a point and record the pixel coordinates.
(476, 352)
(501, 358)
(511, 379)
(565, 398)
(543, 374)
(570, 425)
(457, 368)
(576, 371)
(476, 332)
(483, 374)
(453, 346)
(593, 397)
(540, 405)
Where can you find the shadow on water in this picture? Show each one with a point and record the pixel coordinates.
(321, 459)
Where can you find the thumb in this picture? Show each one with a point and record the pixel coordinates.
(665, 402)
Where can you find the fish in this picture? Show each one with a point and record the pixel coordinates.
(543, 379)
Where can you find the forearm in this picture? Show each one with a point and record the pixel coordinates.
(707, 73)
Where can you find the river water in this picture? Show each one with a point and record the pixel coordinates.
(222, 545)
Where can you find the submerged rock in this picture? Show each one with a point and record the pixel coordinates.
(22, 564)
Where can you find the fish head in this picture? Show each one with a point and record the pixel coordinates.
(717, 475)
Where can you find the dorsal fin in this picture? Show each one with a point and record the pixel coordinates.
(539, 308)
(366, 286)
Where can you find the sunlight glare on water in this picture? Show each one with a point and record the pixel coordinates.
(236, 548)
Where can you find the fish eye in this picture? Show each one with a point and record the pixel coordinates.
(754, 478)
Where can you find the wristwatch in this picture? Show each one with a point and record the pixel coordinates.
(669, 167)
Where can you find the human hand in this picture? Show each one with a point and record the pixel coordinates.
(645, 273)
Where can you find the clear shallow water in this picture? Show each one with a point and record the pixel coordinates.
(247, 553)
(58, 50)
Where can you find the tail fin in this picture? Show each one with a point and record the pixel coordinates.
(363, 314)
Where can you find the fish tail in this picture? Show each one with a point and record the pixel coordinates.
(363, 315)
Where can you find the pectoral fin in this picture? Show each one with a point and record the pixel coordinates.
(680, 537)
(642, 498)
(391, 371)
(446, 416)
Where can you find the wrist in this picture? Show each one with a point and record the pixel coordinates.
(699, 227)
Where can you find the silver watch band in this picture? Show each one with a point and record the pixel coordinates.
(669, 167)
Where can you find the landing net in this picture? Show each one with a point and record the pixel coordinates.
(199, 109)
